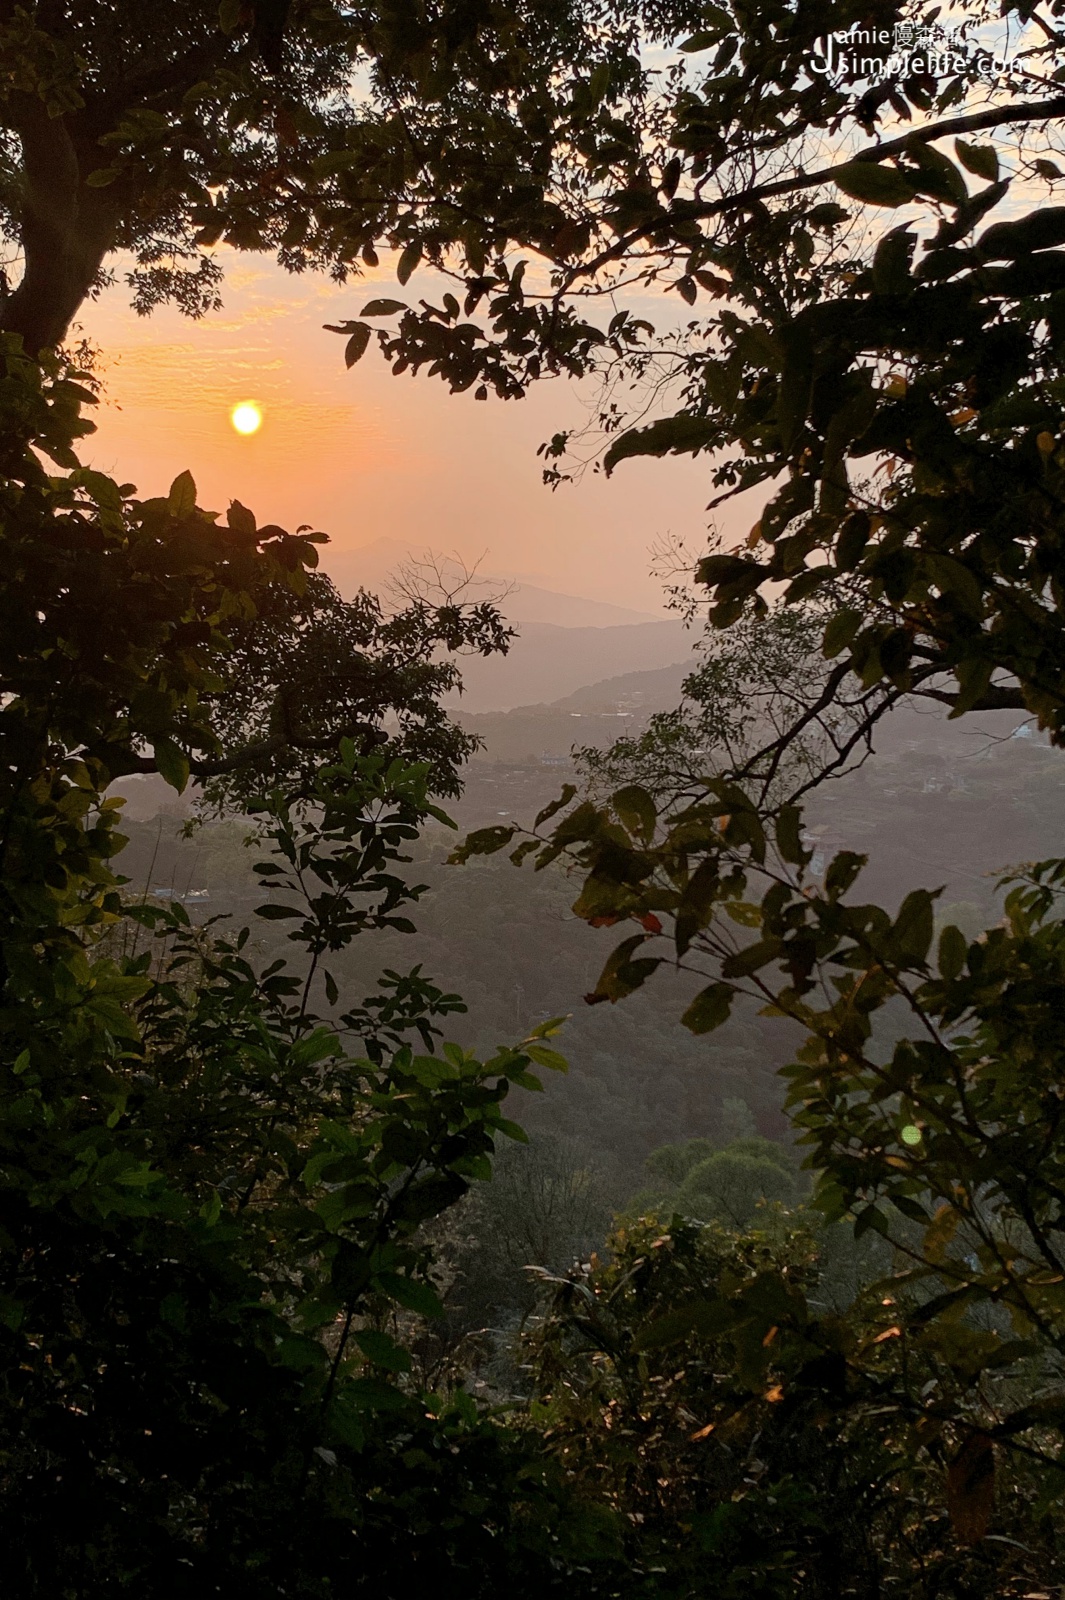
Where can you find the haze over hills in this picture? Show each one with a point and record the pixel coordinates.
(596, 714)
(373, 566)
(658, 690)
(546, 663)
(565, 641)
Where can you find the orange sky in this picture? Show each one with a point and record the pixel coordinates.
(362, 454)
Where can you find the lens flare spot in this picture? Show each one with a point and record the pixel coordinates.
(246, 417)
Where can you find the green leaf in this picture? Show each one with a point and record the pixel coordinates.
(382, 308)
(170, 760)
(871, 1218)
(974, 676)
(382, 1351)
(913, 927)
(636, 811)
(1012, 241)
(482, 842)
(408, 261)
(344, 1421)
(851, 542)
(374, 1394)
(840, 631)
(182, 497)
(546, 1057)
(549, 1027)
(511, 1130)
(788, 832)
(953, 950)
(556, 805)
(241, 520)
(314, 1047)
(874, 185)
(411, 1293)
(173, 1310)
(938, 177)
(979, 159)
(697, 903)
(683, 435)
(726, 569)
(891, 262)
(709, 1009)
(954, 579)
(699, 42)
(622, 975)
(828, 215)
(910, 1208)
(752, 958)
(599, 82)
(842, 871)
(356, 345)
(707, 1318)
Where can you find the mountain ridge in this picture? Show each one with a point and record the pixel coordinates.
(373, 566)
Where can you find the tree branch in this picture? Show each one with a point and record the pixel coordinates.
(995, 116)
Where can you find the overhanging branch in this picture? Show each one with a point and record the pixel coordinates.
(976, 122)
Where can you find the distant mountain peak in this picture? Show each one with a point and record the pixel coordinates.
(373, 566)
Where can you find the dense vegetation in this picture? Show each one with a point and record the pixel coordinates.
(242, 1307)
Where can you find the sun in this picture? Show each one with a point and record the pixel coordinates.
(246, 417)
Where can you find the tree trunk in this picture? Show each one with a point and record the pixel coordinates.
(67, 229)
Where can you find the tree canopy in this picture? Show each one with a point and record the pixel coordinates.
(214, 1171)
(217, 1175)
(895, 391)
(310, 128)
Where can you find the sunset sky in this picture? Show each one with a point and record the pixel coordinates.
(363, 454)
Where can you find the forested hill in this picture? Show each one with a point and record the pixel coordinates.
(596, 714)
(938, 806)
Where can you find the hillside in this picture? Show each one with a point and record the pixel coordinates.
(547, 663)
(374, 566)
(565, 641)
(596, 714)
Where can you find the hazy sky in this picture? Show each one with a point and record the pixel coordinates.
(363, 454)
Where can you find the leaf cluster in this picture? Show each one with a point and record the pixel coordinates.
(214, 1198)
(687, 1384)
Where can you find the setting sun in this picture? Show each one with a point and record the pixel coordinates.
(246, 417)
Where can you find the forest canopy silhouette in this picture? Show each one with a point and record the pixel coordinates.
(239, 1301)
